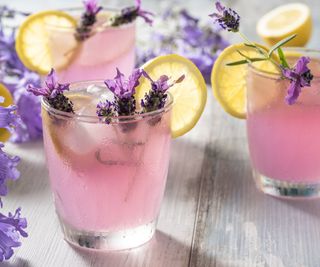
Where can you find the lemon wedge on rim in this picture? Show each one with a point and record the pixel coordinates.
(189, 96)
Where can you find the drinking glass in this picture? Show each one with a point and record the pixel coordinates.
(96, 57)
(284, 139)
(107, 180)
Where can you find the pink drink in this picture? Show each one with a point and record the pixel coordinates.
(283, 140)
(96, 57)
(108, 180)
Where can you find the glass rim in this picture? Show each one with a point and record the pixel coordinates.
(99, 28)
(277, 76)
(94, 118)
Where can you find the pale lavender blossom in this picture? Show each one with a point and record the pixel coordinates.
(11, 228)
(122, 87)
(51, 89)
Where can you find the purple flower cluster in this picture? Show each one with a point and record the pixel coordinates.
(88, 19)
(156, 98)
(227, 18)
(15, 77)
(179, 32)
(11, 228)
(300, 76)
(53, 92)
(129, 14)
(124, 103)
(105, 111)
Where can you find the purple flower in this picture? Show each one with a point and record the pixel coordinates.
(88, 19)
(300, 76)
(51, 89)
(53, 92)
(92, 7)
(11, 227)
(105, 110)
(8, 117)
(146, 15)
(227, 18)
(124, 90)
(156, 97)
(162, 85)
(129, 14)
(8, 170)
(122, 87)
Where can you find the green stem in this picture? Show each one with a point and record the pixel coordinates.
(261, 51)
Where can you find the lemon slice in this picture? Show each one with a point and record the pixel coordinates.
(8, 100)
(229, 82)
(189, 96)
(284, 21)
(33, 41)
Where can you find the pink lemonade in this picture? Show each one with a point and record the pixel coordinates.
(107, 180)
(283, 139)
(96, 57)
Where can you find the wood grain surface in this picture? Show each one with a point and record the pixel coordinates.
(212, 214)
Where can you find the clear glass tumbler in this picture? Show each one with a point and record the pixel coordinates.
(96, 57)
(107, 180)
(283, 139)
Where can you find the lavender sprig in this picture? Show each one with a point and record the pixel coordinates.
(300, 75)
(227, 18)
(124, 89)
(156, 98)
(53, 92)
(88, 19)
(129, 14)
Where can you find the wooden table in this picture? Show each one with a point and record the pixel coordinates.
(212, 214)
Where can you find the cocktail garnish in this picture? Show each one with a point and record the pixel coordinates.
(129, 14)
(53, 92)
(299, 75)
(156, 98)
(88, 19)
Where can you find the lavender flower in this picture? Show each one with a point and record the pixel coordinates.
(124, 90)
(92, 7)
(53, 92)
(11, 227)
(227, 18)
(300, 76)
(8, 116)
(129, 14)
(8, 170)
(156, 98)
(105, 111)
(88, 19)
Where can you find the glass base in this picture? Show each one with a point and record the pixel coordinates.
(120, 240)
(285, 189)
